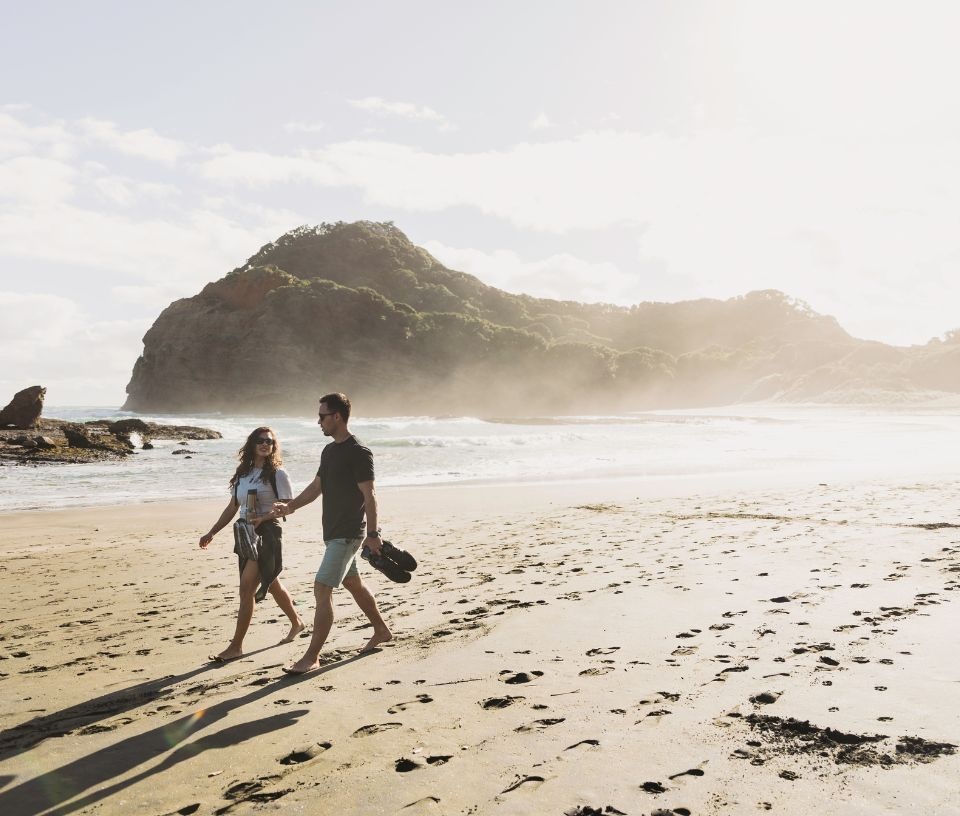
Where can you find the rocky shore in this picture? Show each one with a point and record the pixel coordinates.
(27, 438)
(59, 441)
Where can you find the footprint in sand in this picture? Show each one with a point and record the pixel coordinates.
(405, 765)
(426, 805)
(375, 728)
(499, 702)
(512, 678)
(606, 651)
(539, 725)
(397, 707)
(299, 755)
(594, 672)
(593, 742)
(535, 781)
(689, 772)
(253, 792)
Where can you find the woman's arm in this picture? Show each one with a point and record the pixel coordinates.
(228, 513)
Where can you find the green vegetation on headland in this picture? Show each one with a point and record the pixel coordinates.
(358, 308)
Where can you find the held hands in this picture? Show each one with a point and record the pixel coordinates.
(280, 509)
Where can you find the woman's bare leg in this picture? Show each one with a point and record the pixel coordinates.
(249, 581)
(285, 602)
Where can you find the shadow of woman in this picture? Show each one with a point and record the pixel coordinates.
(25, 736)
(51, 792)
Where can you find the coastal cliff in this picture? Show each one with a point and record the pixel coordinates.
(359, 308)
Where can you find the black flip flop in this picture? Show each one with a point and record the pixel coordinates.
(401, 558)
(391, 569)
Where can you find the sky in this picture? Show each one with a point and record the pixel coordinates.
(620, 152)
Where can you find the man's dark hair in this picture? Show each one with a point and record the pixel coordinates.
(338, 403)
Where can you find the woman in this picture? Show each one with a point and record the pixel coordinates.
(259, 472)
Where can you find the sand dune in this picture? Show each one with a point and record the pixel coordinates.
(579, 651)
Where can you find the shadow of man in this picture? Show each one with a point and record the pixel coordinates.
(55, 788)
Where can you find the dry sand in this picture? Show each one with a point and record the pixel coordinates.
(590, 649)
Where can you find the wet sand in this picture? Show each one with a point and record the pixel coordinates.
(593, 649)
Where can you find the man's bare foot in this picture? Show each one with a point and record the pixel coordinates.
(378, 637)
(226, 655)
(295, 629)
(302, 667)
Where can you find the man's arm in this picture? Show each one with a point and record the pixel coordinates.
(370, 509)
(310, 493)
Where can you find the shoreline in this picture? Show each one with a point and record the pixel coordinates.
(546, 492)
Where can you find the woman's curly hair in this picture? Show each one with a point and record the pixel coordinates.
(247, 453)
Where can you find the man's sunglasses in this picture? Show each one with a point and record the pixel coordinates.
(324, 416)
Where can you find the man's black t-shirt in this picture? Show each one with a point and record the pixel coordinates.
(342, 466)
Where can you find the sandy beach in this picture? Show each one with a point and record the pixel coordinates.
(599, 648)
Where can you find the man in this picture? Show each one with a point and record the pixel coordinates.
(345, 478)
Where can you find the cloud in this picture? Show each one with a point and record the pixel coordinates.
(145, 143)
(541, 122)
(561, 276)
(259, 169)
(17, 138)
(125, 191)
(80, 359)
(36, 180)
(304, 127)
(404, 110)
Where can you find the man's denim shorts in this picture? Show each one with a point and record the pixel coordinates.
(339, 561)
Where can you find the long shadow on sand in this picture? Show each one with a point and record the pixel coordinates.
(50, 793)
(26, 735)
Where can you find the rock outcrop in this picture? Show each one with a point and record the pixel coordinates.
(98, 440)
(358, 308)
(23, 411)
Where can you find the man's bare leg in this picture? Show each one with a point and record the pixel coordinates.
(368, 605)
(285, 602)
(322, 621)
(249, 580)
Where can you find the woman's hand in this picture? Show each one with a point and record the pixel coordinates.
(205, 540)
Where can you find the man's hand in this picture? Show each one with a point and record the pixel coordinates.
(281, 509)
(373, 544)
(205, 540)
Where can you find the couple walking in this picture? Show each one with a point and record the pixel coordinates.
(345, 480)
